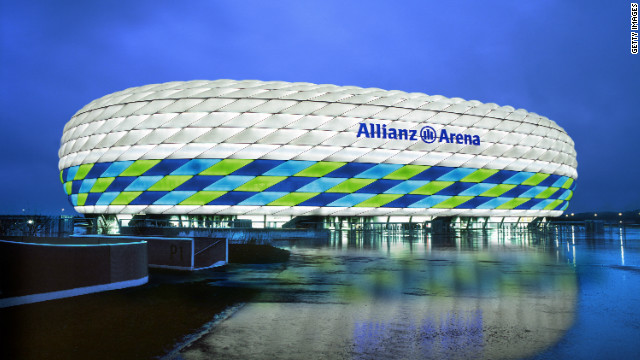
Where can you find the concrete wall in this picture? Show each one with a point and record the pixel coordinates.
(187, 253)
(32, 267)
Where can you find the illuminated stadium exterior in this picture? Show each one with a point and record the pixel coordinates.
(275, 148)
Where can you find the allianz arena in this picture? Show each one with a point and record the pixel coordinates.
(243, 148)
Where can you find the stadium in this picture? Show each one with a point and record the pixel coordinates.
(274, 151)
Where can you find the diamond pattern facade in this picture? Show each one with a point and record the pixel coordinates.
(252, 147)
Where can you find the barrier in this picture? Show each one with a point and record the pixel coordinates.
(192, 253)
(38, 269)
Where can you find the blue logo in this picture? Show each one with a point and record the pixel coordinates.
(428, 134)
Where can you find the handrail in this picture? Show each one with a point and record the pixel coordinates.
(215, 243)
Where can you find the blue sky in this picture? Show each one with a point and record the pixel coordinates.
(569, 61)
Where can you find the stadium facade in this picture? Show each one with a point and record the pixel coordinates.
(280, 149)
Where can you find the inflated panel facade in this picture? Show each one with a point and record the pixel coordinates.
(252, 148)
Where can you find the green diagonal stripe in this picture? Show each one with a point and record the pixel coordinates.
(513, 203)
(293, 199)
(546, 193)
(406, 172)
(124, 198)
(225, 167)
(260, 183)
(82, 198)
(431, 188)
(379, 200)
(61, 179)
(169, 182)
(320, 169)
(479, 175)
(350, 185)
(568, 183)
(452, 202)
(101, 184)
(202, 197)
(535, 179)
(498, 190)
(139, 167)
(83, 170)
(67, 187)
(570, 196)
(553, 205)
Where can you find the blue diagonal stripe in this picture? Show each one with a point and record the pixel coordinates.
(351, 200)
(406, 187)
(289, 168)
(542, 204)
(456, 174)
(477, 189)
(321, 185)
(116, 168)
(72, 172)
(195, 166)
(142, 183)
(228, 183)
(263, 198)
(518, 178)
(560, 181)
(166, 166)
(87, 184)
(535, 190)
(174, 197)
(379, 171)
(349, 170)
(494, 203)
(107, 198)
(565, 194)
(257, 167)
(429, 201)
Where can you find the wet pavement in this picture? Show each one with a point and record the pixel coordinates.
(607, 321)
(494, 294)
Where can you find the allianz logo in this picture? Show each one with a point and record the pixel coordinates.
(427, 134)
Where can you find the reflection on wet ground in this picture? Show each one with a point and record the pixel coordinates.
(495, 294)
(607, 321)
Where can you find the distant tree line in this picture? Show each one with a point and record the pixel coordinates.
(30, 225)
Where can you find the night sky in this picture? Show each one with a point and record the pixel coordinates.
(568, 61)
